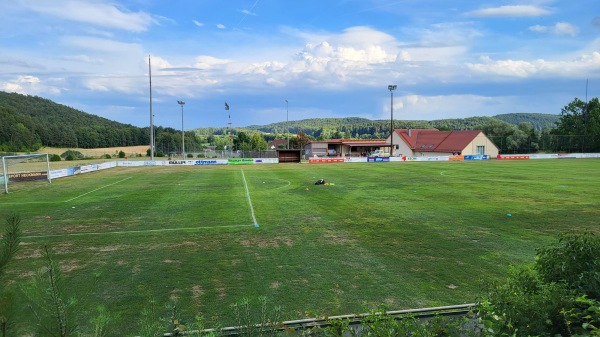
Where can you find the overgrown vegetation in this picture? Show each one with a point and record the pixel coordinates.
(558, 296)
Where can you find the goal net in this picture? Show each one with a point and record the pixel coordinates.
(24, 171)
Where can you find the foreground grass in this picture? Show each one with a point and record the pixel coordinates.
(406, 235)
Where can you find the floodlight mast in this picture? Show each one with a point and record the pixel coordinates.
(182, 132)
(391, 88)
(287, 120)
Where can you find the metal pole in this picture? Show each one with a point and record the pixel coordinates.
(151, 115)
(391, 88)
(182, 132)
(287, 119)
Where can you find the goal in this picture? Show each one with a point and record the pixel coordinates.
(20, 171)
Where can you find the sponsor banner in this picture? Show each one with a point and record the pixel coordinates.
(378, 159)
(355, 159)
(326, 160)
(211, 162)
(513, 157)
(567, 155)
(476, 157)
(266, 161)
(106, 165)
(436, 158)
(240, 161)
(88, 168)
(28, 176)
(74, 170)
(543, 156)
(59, 173)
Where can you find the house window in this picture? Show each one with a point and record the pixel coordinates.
(480, 149)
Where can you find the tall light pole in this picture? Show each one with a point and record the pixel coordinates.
(287, 120)
(151, 115)
(182, 132)
(391, 88)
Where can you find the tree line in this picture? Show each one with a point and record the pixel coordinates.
(28, 123)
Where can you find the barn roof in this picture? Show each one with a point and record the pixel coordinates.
(432, 140)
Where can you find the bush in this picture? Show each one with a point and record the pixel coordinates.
(159, 154)
(190, 155)
(121, 154)
(575, 261)
(557, 296)
(55, 157)
(72, 154)
(200, 155)
(106, 156)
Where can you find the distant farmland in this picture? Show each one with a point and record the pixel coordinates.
(403, 235)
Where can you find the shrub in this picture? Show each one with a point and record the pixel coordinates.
(121, 154)
(106, 156)
(190, 155)
(575, 261)
(72, 154)
(55, 157)
(556, 296)
(200, 155)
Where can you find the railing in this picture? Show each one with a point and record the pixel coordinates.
(354, 320)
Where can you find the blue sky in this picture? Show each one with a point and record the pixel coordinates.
(327, 58)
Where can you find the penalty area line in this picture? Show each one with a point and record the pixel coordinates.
(131, 232)
(99, 188)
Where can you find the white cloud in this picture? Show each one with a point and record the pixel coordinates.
(510, 11)
(198, 23)
(423, 107)
(221, 26)
(560, 28)
(581, 66)
(247, 12)
(95, 13)
(28, 85)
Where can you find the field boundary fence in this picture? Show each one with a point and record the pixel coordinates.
(355, 321)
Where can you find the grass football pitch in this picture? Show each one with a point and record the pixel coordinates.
(403, 235)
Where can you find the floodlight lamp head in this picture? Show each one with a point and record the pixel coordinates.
(181, 102)
(392, 87)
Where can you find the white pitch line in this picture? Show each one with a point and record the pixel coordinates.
(249, 201)
(99, 188)
(131, 232)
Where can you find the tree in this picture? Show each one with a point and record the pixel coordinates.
(242, 142)
(258, 143)
(9, 245)
(581, 119)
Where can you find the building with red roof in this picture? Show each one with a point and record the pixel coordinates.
(409, 143)
(432, 142)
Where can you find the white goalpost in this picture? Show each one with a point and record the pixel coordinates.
(25, 169)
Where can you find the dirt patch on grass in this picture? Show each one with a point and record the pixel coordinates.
(70, 265)
(275, 285)
(267, 242)
(197, 293)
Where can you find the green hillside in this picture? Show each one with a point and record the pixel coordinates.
(29, 122)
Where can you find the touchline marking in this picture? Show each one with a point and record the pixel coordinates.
(99, 188)
(131, 232)
(249, 201)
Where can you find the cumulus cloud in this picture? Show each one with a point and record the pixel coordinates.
(510, 11)
(430, 107)
(198, 23)
(28, 85)
(221, 26)
(560, 28)
(542, 68)
(94, 13)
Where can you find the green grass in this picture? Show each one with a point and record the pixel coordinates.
(406, 235)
